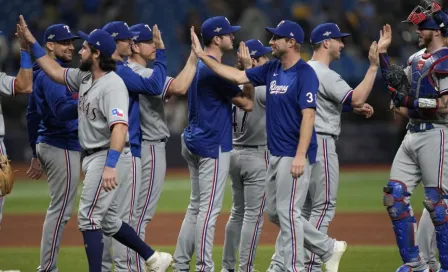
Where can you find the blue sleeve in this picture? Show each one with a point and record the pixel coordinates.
(258, 75)
(32, 122)
(308, 85)
(63, 108)
(152, 85)
(226, 88)
(384, 64)
(347, 108)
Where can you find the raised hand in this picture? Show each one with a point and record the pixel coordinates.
(23, 32)
(195, 44)
(366, 110)
(385, 39)
(157, 37)
(373, 54)
(244, 56)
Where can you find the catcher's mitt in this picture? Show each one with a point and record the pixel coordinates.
(397, 79)
(6, 176)
(398, 84)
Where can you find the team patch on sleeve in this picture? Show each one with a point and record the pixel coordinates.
(117, 112)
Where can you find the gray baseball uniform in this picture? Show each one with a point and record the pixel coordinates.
(102, 104)
(6, 89)
(420, 158)
(426, 240)
(155, 133)
(248, 164)
(320, 207)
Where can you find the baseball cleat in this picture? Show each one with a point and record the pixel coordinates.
(332, 264)
(159, 262)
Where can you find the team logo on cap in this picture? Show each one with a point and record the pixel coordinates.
(291, 34)
(50, 37)
(98, 43)
(68, 28)
(252, 53)
(327, 34)
(218, 29)
(115, 34)
(135, 37)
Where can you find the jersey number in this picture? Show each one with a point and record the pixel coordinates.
(235, 120)
(310, 97)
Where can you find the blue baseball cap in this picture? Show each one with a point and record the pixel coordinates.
(58, 32)
(429, 23)
(216, 26)
(119, 30)
(100, 40)
(256, 48)
(288, 29)
(144, 32)
(326, 31)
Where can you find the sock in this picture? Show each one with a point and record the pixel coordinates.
(93, 243)
(128, 237)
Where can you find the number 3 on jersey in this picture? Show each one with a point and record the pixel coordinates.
(235, 120)
(310, 97)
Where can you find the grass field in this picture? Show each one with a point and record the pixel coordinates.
(358, 192)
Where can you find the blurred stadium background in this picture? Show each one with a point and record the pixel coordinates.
(362, 142)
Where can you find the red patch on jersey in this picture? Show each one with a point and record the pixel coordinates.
(420, 64)
(75, 95)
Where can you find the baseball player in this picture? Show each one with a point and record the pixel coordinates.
(206, 145)
(155, 131)
(127, 196)
(290, 108)
(11, 86)
(422, 152)
(103, 128)
(248, 164)
(52, 122)
(333, 94)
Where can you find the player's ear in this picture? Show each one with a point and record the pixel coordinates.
(326, 43)
(49, 46)
(96, 54)
(135, 49)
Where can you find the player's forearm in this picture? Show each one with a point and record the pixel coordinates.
(245, 100)
(384, 63)
(159, 73)
(24, 79)
(306, 131)
(118, 137)
(362, 92)
(47, 64)
(180, 85)
(230, 73)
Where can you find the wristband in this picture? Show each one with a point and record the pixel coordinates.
(37, 50)
(112, 158)
(25, 60)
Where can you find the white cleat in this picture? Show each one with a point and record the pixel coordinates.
(159, 262)
(332, 264)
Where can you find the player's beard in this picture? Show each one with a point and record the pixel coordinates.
(87, 64)
(426, 40)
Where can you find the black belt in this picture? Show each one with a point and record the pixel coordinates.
(92, 151)
(164, 140)
(250, 146)
(327, 134)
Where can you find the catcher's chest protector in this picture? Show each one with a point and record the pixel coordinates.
(422, 65)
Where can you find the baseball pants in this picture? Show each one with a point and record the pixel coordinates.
(208, 179)
(426, 240)
(320, 204)
(62, 168)
(98, 209)
(248, 179)
(113, 250)
(421, 157)
(153, 175)
(285, 198)
(2, 198)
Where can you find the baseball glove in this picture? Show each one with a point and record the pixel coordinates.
(6, 176)
(397, 83)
